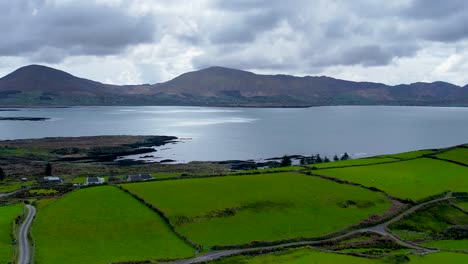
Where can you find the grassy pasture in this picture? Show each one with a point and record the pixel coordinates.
(457, 154)
(353, 162)
(432, 221)
(448, 244)
(440, 257)
(43, 191)
(7, 215)
(240, 209)
(463, 205)
(414, 179)
(411, 154)
(298, 256)
(305, 255)
(13, 186)
(102, 225)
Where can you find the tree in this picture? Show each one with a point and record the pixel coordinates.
(48, 169)
(335, 158)
(318, 159)
(303, 161)
(345, 156)
(2, 174)
(285, 161)
(326, 159)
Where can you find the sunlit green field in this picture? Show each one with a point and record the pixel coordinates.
(353, 162)
(414, 179)
(308, 256)
(463, 205)
(241, 209)
(7, 215)
(102, 225)
(411, 154)
(461, 244)
(458, 154)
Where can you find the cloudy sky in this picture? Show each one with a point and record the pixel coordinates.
(149, 41)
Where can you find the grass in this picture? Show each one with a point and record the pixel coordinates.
(43, 191)
(13, 186)
(411, 154)
(310, 256)
(102, 225)
(354, 162)
(441, 257)
(463, 205)
(433, 220)
(7, 215)
(457, 154)
(448, 244)
(414, 179)
(7, 151)
(298, 256)
(240, 209)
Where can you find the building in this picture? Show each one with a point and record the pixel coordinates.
(94, 180)
(52, 179)
(140, 177)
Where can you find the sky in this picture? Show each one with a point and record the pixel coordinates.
(149, 41)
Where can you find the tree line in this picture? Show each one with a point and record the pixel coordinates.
(313, 159)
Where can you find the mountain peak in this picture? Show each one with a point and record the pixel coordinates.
(37, 71)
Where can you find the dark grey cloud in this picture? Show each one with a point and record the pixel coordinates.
(328, 33)
(50, 31)
(434, 9)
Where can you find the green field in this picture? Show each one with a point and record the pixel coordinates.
(458, 154)
(43, 191)
(102, 225)
(309, 256)
(461, 244)
(463, 205)
(241, 209)
(353, 162)
(298, 256)
(433, 220)
(411, 154)
(414, 179)
(13, 186)
(7, 215)
(441, 257)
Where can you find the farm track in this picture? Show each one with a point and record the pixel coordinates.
(24, 255)
(381, 229)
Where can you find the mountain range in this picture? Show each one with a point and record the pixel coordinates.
(37, 85)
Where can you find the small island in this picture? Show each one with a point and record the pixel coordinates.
(24, 118)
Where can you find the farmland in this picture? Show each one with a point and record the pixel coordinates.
(461, 244)
(240, 209)
(432, 221)
(105, 223)
(413, 179)
(356, 162)
(305, 255)
(7, 215)
(457, 154)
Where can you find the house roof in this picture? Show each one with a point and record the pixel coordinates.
(93, 179)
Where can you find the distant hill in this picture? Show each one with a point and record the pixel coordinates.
(37, 85)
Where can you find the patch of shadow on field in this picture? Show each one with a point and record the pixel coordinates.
(257, 207)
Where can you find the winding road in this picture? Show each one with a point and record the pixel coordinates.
(379, 229)
(24, 255)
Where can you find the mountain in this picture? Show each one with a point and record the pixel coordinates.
(218, 86)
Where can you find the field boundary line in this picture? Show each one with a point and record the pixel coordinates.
(164, 218)
(449, 161)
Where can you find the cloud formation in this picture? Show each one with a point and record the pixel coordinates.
(50, 31)
(151, 41)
